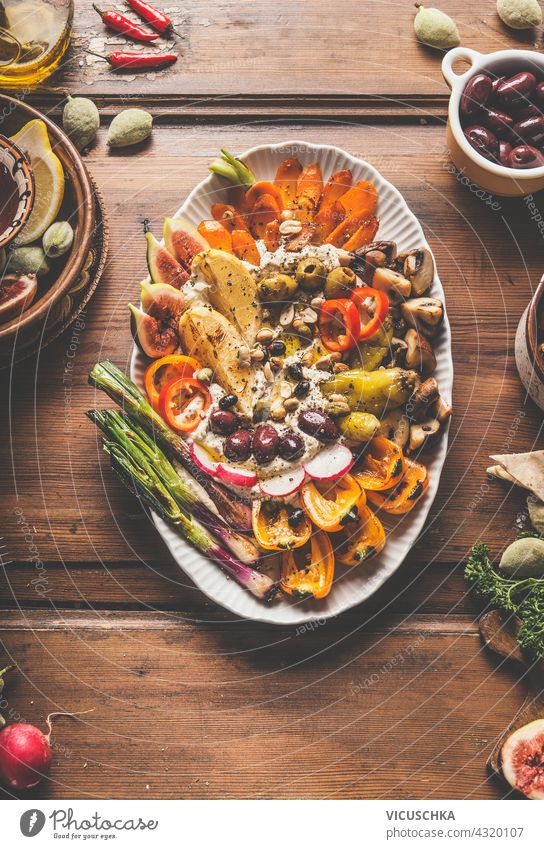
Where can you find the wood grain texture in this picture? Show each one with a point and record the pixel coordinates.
(404, 708)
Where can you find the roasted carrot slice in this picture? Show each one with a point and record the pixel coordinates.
(361, 200)
(216, 235)
(244, 247)
(349, 226)
(336, 186)
(265, 210)
(228, 216)
(327, 220)
(262, 189)
(363, 235)
(310, 184)
(272, 236)
(287, 177)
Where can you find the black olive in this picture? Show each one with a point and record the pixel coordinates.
(223, 422)
(295, 371)
(277, 348)
(291, 446)
(228, 401)
(238, 445)
(296, 518)
(302, 388)
(319, 425)
(265, 443)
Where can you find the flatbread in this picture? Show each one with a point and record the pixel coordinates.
(525, 470)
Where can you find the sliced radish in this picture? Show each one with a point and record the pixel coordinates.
(331, 463)
(236, 477)
(203, 460)
(281, 486)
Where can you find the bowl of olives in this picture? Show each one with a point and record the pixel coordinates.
(495, 130)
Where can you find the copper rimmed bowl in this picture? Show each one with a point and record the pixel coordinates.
(78, 207)
(18, 171)
(529, 356)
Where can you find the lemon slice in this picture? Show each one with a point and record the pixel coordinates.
(33, 139)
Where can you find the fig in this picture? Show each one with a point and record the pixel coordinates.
(522, 760)
(17, 291)
(183, 241)
(155, 327)
(163, 267)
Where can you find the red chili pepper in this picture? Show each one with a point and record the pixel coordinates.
(119, 23)
(133, 61)
(158, 20)
(381, 308)
(339, 324)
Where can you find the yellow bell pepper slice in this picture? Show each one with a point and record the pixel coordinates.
(382, 465)
(405, 495)
(361, 541)
(330, 504)
(274, 527)
(308, 572)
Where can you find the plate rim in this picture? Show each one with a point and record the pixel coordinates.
(310, 615)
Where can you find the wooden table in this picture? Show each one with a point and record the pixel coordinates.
(395, 699)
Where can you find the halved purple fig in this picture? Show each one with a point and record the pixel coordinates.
(183, 241)
(155, 327)
(17, 291)
(163, 267)
(522, 760)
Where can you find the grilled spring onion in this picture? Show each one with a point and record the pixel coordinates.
(111, 380)
(139, 474)
(233, 170)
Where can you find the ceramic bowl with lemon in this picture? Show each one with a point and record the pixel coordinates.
(45, 259)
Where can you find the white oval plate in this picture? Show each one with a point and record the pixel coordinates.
(351, 586)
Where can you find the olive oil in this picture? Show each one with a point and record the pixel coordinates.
(34, 35)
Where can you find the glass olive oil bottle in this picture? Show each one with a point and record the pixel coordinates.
(34, 35)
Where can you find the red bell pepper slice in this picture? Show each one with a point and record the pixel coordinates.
(381, 308)
(339, 324)
(175, 400)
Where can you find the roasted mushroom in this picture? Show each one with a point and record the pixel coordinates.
(442, 410)
(422, 433)
(375, 255)
(395, 286)
(419, 354)
(418, 267)
(395, 426)
(426, 394)
(425, 314)
(398, 348)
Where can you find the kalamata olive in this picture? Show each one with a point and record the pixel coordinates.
(482, 140)
(516, 90)
(504, 153)
(237, 446)
(494, 86)
(476, 94)
(291, 446)
(296, 517)
(265, 443)
(223, 422)
(228, 401)
(302, 389)
(295, 371)
(500, 123)
(529, 111)
(318, 424)
(540, 93)
(525, 156)
(277, 348)
(531, 130)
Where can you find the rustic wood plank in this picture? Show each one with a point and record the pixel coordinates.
(489, 260)
(246, 711)
(284, 48)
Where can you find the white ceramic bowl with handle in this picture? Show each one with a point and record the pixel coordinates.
(497, 179)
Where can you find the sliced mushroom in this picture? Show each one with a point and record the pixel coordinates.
(422, 433)
(442, 410)
(425, 314)
(399, 325)
(395, 426)
(395, 286)
(425, 395)
(418, 268)
(398, 348)
(374, 255)
(419, 355)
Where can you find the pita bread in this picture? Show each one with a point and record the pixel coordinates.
(525, 470)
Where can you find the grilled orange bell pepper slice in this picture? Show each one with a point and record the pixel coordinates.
(274, 527)
(361, 540)
(330, 504)
(262, 189)
(382, 465)
(272, 236)
(216, 235)
(308, 572)
(405, 494)
(244, 247)
(264, 210)
(162, 371)
(228, 216)
(287, 178)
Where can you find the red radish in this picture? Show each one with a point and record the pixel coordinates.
(281, 486)
(331, 463)
(236, 477)
(203, 460)
(25, 753)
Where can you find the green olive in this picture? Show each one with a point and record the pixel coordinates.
(359, 427)
(276, 287)
(340, 282)
(311, 273)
